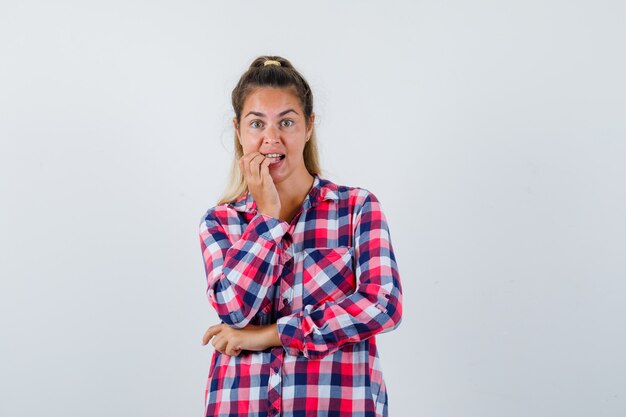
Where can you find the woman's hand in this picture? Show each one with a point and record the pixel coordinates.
(255, 169)
(231, 341)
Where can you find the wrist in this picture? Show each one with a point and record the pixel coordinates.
(271, 335)
(273, 212)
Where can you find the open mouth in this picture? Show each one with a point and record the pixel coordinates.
(275, 157)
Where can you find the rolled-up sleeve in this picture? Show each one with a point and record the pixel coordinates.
(239, 273)
(374, 307)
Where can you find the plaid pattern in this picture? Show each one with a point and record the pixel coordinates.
(330, 282)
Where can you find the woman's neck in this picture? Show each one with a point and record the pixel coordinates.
(292, 193)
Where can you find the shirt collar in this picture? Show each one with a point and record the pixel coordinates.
(321, 190)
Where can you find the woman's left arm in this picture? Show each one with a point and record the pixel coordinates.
(231, 341)
(374, 307)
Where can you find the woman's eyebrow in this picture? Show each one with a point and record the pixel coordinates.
(258, 114)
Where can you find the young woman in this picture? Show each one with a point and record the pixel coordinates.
(300, 270)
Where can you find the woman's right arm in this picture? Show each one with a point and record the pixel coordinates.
(240, 273)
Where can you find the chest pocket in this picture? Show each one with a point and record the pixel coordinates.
(327, 274)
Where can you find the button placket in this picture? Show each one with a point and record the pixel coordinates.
(285, 295)
(274, 386)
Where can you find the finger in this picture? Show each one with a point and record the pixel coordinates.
(211, 331)
(233, 347)
(218, 343)
(210, 335)
(232, 351)
(255, 164)
(248, 168)
(245, 164)
(211, 328)
(265, 168)
(221, 347)
(251, 155)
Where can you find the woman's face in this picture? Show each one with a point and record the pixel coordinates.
(273, 122)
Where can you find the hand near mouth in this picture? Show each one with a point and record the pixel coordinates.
(255, 169)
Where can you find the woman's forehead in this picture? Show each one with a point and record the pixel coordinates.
(271, 98)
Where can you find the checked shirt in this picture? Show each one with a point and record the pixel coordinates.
(330, 282)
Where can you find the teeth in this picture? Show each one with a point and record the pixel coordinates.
(273, 155)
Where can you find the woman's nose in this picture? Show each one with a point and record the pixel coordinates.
(271, 135)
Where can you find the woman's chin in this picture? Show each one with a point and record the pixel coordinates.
(276, 170)
(276, 176)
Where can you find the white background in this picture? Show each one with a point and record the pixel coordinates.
(492, 132)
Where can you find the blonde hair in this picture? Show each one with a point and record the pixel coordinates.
(261, 75)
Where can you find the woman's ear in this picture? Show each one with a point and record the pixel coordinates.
(310, 129)
(236, 126)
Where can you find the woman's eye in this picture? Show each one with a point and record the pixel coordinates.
(287, 123)
(256, 123)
